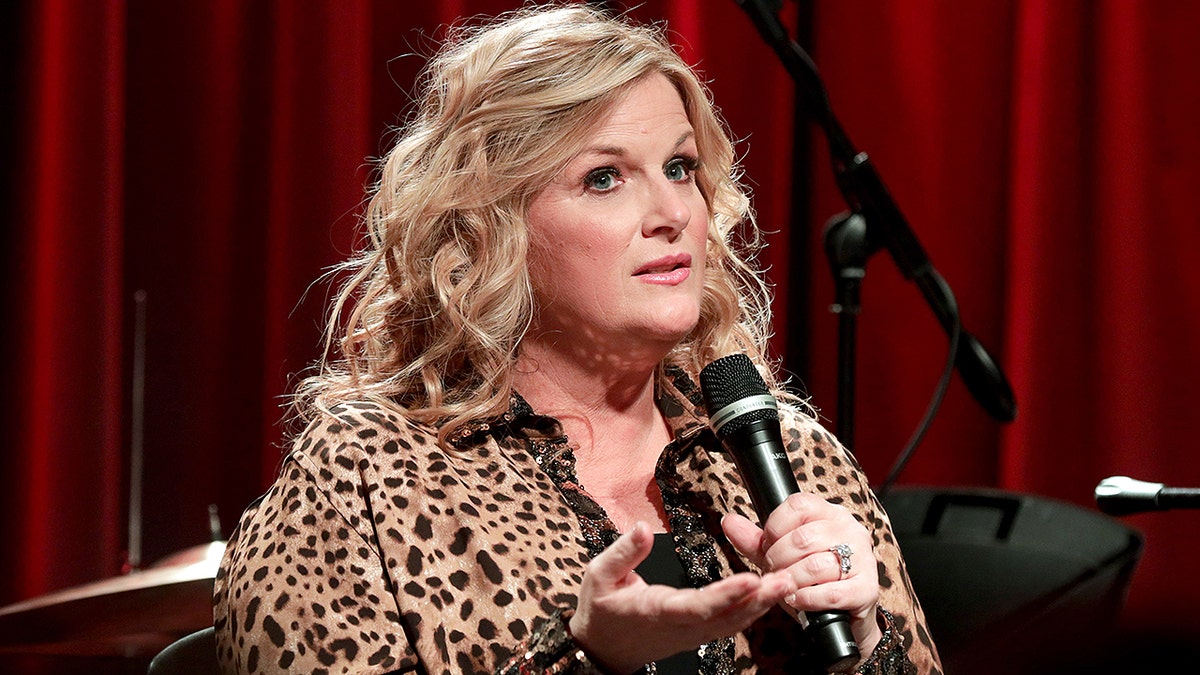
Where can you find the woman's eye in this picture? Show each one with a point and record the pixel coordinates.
(601, 180)
(680, 169)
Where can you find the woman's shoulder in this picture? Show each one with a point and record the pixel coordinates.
(797, 417)
(350, 430)
(821, 462)
(801, 425)
(362, 416)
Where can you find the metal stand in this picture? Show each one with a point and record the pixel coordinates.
(847, 251)
(867, 196)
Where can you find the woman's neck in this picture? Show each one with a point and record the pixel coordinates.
(591, 402)
(613, 421)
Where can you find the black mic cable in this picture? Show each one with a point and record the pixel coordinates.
(744, 416)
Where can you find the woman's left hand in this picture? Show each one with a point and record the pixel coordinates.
(800, 536)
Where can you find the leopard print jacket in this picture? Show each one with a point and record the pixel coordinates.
(379, 550)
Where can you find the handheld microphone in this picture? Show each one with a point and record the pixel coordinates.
(1122, 495)
(744, 416)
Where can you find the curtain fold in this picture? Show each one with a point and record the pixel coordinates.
(215, 155)
(319, 137)
(65, 344)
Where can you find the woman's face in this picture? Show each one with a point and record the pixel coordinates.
(617, 240)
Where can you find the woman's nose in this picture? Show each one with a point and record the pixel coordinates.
(667, 211)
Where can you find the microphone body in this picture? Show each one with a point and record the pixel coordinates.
(763, 464)
(744, 415)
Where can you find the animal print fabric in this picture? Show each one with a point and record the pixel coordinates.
(379, 550)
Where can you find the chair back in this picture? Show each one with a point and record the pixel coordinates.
(194, 654)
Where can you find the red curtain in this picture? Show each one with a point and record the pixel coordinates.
(1046, 155)
(214, 155)
(63, 253)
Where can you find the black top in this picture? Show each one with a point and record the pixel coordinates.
(662, 566)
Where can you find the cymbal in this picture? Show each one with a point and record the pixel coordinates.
(136, 614)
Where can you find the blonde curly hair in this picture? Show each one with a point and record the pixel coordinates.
(439, 301)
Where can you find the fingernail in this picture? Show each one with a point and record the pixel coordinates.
(790, 599)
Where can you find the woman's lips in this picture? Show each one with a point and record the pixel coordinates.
(669, 270)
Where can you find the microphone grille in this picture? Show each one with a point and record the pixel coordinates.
(730, 379)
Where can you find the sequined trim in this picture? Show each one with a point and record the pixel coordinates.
(551, 649)
(889, 656)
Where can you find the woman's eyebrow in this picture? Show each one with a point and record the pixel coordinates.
(618, 151)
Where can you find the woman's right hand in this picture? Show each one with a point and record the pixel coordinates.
(623, 623)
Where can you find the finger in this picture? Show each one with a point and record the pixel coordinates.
(741, 593)
(819, 568)
(615, 563)
(808, 539)
(798, 509)
(738, 616)
(856, 597)
(834, 527)
(745, 536)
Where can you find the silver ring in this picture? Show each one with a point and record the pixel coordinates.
(843, 552)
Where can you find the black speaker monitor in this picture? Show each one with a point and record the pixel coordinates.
(1012, 582)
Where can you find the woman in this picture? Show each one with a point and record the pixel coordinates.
(513, 427)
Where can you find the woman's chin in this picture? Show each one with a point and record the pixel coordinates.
(668, 329)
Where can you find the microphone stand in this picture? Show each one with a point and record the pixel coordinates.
(847, 250)
(1122, 495)
(882, 226)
